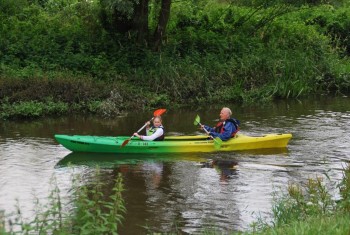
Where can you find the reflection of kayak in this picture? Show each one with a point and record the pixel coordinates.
(105, 160)
(171, 144)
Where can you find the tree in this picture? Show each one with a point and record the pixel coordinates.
(130, 17)
(159, 32)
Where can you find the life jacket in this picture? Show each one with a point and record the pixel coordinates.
(220, 126)
(153, 129)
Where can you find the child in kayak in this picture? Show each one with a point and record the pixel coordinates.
(154, 132)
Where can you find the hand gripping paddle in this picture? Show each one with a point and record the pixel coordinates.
(158, 112)
(217, 140)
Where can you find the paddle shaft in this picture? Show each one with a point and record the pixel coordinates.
(158, 112)
(206, 131)
(215, 140)
(140, 129)
(127, 141)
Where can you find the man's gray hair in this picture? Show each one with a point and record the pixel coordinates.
(227, 110)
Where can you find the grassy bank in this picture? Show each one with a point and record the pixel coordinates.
(64, 57)
(337, 224)
(310, 209)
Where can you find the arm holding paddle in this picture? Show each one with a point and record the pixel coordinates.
(156, 132)
(217, 140)
(226, 128)
(147, 124)
(159, 132)
(156, 113)
(229, 128)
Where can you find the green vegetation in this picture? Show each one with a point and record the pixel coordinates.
(338, 224)
(308, 209)
(105, 57)
(92, 213)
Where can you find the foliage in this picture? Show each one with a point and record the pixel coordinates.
(32, 109)
(299, 205)
(344, 187)
(124, 7)
(92, 214)
(55, 37)
(242, 51)
(338, 224)
(66, 89)
(309, 209)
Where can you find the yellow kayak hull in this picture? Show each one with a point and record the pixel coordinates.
(171, 144)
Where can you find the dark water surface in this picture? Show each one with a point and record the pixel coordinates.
(188, 191)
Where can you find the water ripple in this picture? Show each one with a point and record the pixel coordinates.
(189, 191)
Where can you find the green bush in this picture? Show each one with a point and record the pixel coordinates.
(32, 109)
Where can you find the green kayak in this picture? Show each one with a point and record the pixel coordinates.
(171, 144)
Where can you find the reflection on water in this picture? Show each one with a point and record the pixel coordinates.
(113, 160)
(226, 168)
(188, 191)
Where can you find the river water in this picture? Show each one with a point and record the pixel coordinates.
(187, 192)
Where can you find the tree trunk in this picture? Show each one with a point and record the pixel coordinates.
(162, 23)
(141, 21)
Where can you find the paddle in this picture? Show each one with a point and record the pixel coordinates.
(217, 140)
(158, 112)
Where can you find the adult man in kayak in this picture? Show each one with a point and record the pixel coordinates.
(155, 132)
(226, 128)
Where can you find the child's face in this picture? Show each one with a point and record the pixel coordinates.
(157, 122)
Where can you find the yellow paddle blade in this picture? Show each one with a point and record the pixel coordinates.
(197, 120)
(217, 143)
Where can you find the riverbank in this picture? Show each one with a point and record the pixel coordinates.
(58, 59)
(310, 209)
(307, 209)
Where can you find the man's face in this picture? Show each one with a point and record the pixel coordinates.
(224, 115)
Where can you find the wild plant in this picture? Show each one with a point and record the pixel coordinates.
(300, 203)
(344, 189)
(95, 213)
(92, 213)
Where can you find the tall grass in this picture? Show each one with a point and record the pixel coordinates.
(309, 209)
(337, 224)
(92, 212)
